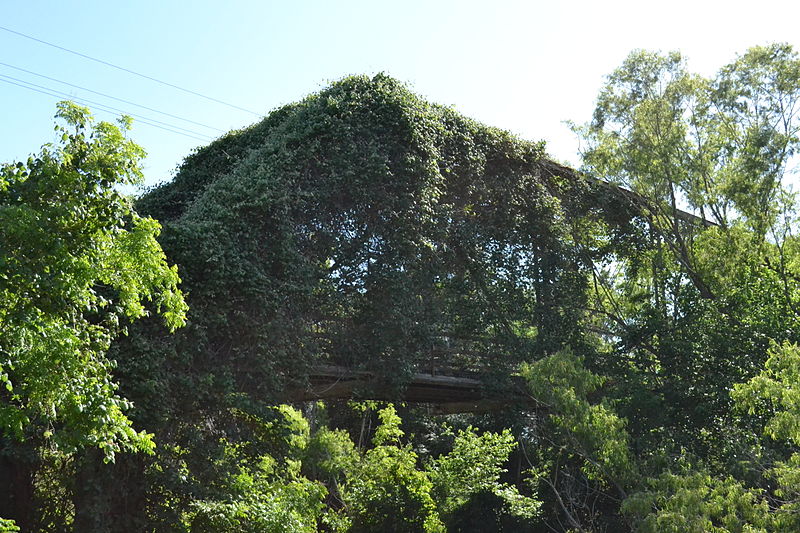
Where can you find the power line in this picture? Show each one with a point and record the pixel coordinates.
(112, 97)
(112, 65)
(103, 108)
(143, 121)
(92, 102)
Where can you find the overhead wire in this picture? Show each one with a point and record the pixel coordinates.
(112, 97)
(102, 107)
(145, 76)
(105, 109)
(92, 102)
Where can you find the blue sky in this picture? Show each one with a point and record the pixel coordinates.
(521, 66)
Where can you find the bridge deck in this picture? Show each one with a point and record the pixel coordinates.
(446, 394)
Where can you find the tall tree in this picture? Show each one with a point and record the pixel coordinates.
(721, 147)
(694, 311)
(76, 264)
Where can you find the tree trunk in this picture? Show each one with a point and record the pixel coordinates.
(16, 491)
(109, 496)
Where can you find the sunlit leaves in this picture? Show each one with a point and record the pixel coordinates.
(474, 466)
(593, 432)
(77, 262)
(697, 503)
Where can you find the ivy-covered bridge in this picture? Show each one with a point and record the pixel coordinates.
(366, 243)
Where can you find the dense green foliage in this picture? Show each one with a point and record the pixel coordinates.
(364, 227)
(692, 317)
(370, 228)
(76, 264)
(381, 488)
(76, 261)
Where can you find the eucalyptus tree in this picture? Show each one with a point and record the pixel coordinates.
(722, 147)
(695, 311)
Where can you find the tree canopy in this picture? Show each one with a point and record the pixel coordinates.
(78, 263)
(648, 302)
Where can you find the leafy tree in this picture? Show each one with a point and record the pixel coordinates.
(77, 261)
(265, 483)
(76, 264)
(692, 310)
(722, 146)
(384, 488)
(385, 491)
(472, 470)
(582, 447)
(260, 496)
(697, 502)
(773, 396)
